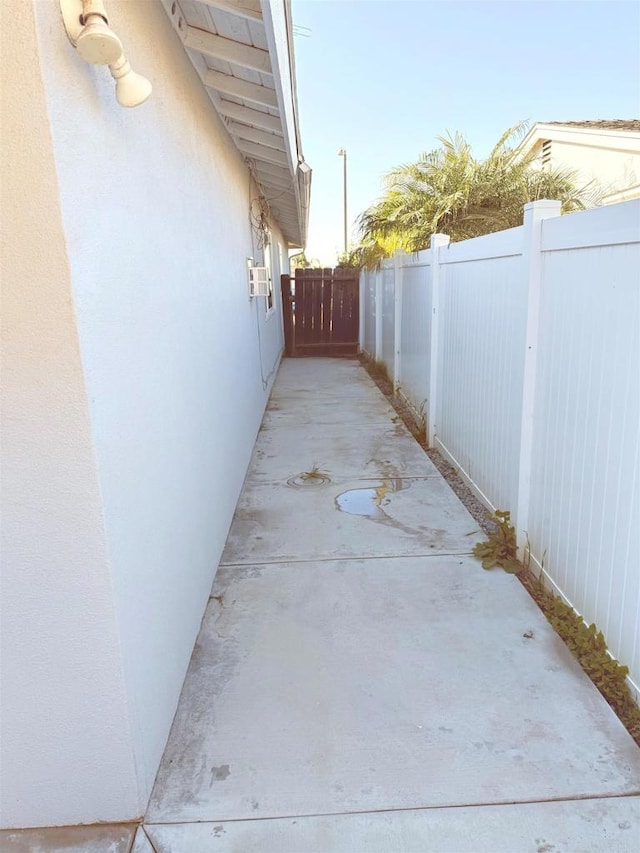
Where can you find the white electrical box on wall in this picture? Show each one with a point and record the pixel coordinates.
(258, 281)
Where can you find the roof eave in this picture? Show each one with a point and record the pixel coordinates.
(544, 130)
(283, 175)
(302, 172)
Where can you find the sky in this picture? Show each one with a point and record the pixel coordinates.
(384, 78)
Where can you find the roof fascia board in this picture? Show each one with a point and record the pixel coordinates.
(278, 31)
(621, 140)
(281, 70)
(304, 196)
(583, 131)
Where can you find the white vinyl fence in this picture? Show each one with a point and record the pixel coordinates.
(521, 352)
(388, 318)
(368, 316)
(414, 362)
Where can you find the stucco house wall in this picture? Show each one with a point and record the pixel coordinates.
(136, 371)
(606, 156)
(616, 171)
(60, 665)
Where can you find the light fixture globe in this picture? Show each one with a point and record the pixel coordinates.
(89, 32)
(131, 89)
(97, 43)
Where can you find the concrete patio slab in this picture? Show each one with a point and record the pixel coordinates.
(359, 451)
(366, 685)
(326, 391)
(360, 683)
(309, 378)
(142, 843)
(338, 413)
(104, 838)
(585, 826)
(379, 517)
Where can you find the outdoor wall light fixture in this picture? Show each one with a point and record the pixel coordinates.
(89, 32)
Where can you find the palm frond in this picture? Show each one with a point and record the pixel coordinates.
(448, 190)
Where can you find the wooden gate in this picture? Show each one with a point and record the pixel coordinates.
(321, 312)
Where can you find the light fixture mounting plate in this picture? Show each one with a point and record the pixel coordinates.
(72, 17)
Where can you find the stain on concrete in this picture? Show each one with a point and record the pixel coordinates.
(219, 774)
(226, 576)
(219, 830)
(110, 838)
(309, 478)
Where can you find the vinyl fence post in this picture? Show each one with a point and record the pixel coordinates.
(379, 310)
(437, 240)
(397, 319)
(362, 284)
(534, 214)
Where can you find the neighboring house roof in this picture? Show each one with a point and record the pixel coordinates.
(605, 151)
(243, 52)
(599, 132)
(601, 124)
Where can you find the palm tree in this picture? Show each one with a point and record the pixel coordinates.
(449, 191)
(302, 262)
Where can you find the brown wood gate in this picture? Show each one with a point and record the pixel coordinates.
(321, 312)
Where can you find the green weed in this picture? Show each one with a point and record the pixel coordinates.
(501, 548)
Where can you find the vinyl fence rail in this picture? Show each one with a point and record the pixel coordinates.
(520, 352)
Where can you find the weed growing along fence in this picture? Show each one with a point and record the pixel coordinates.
(520, 351)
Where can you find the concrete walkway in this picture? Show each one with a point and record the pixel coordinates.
(360, 683)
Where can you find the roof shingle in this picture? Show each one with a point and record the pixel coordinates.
(601, 124)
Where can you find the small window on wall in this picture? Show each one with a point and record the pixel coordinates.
(268, 263)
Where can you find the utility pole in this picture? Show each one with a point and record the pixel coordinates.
(343, 153)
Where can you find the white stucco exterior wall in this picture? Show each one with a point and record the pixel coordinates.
(172, 365)
(64, 717)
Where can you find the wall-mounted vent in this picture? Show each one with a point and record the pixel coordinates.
(546, 154)
(259, 281)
